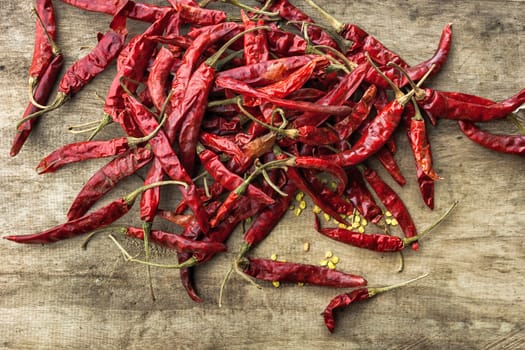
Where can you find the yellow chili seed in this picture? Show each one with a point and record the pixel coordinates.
(355, 225)
(306, 246)
(341, 225)
(291, 207)
(316, 209)
(388, 221)
(328, 254)
(326, 217)
(299, 196)
(300, 284)
(298, 211)
(361, 229)
(333, 185)
(364, 222)
(276, 284)
(335, 259)
(302, 204)
(273, 257)
(331, 265)
(388, 214)
(323, 262)
(357, 218)
(394, 222)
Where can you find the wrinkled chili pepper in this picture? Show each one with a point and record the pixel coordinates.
(80, 151)
(89, 222)
(270, 270)
(354, 296)
(387, 160)
(40, 94)
(512, 144)
(360, 196)
(158, 76)
(106, 178)
(346, 126)
(255, 44)
(174, 241)
(393, 203)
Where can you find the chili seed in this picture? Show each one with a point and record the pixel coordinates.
(299, 196)
(394, 222)
(273, 257)
(361, 229)
(331, 265)
(300, 284)
(328, 254)
(323, 262)
(276, 284)
(326, 217)
(316, 209)
(335, 259)
(298, 211)
(388, 214)
(341, 225)
(291, 207)
(302, 205)
(306, 246)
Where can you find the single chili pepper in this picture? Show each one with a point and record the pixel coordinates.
(360, 196)
(378, 242)
(83, 150)
(105, 179)
(196, 100)
(255, 44)
(242, 88)
(40, 95)
(270, 270)
(307, 94)
(174, 241)
(393, 203)
(44, 50)
(223, 145)
(158, 76)
(418, 140)
(190, 61)
(512, 144)
(88, 67)
(150, 199)
(138, 10)
(266, 72)
(200, 16)
(378, 131)
(89, 222)
(337, 96)
(345, 299)
(346, 126)
(387, 160)
(168, 159)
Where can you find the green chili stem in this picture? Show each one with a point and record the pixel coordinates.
(407, 241)
(338, 26)
(374, 291)
(251, 9)
(130, 198)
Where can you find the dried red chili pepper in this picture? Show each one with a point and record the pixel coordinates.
(174, 241)
(387, 160)
(89, 222)
(270, 270)
(40, 94)
(393, 203)
(105, 179)
(200, 16)
(158, 77)
(80, 151)
(284, 44)
(255, 44)
(512, 144)
(346, 126)
(345, 299)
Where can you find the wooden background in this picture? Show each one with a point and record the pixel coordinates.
(60, 296)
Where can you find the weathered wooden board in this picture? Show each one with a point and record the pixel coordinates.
(60, 296)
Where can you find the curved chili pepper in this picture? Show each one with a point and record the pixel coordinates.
(223, 145)
(87, 223)
(176, 242)
(354, 296)
(158, 76)
(83, 150)
(332, 199)
(285, 44)
(393, 203)
(105, 179)
(270, 270)
(150, 199)
(40, 94)
(426, 187)
(255, 44)
(512, 144)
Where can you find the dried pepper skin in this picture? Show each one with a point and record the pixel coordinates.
(270, 270)
(511, 144)
(340, 301)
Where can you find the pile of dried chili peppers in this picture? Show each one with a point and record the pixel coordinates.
(241, 113)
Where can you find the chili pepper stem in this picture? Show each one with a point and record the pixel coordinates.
(374, 291)
(251, 9)
(410, 240)
(228, 101)
(90, 236)
(243, 275)
(223, 285)
(106, 120)
(54, 46)
(130, 198)
(146, 227)
(420, 93)
(351, 65)
(338, 26)
(60, 99)
(188, 263)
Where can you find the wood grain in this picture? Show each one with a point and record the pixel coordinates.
(62, 297)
